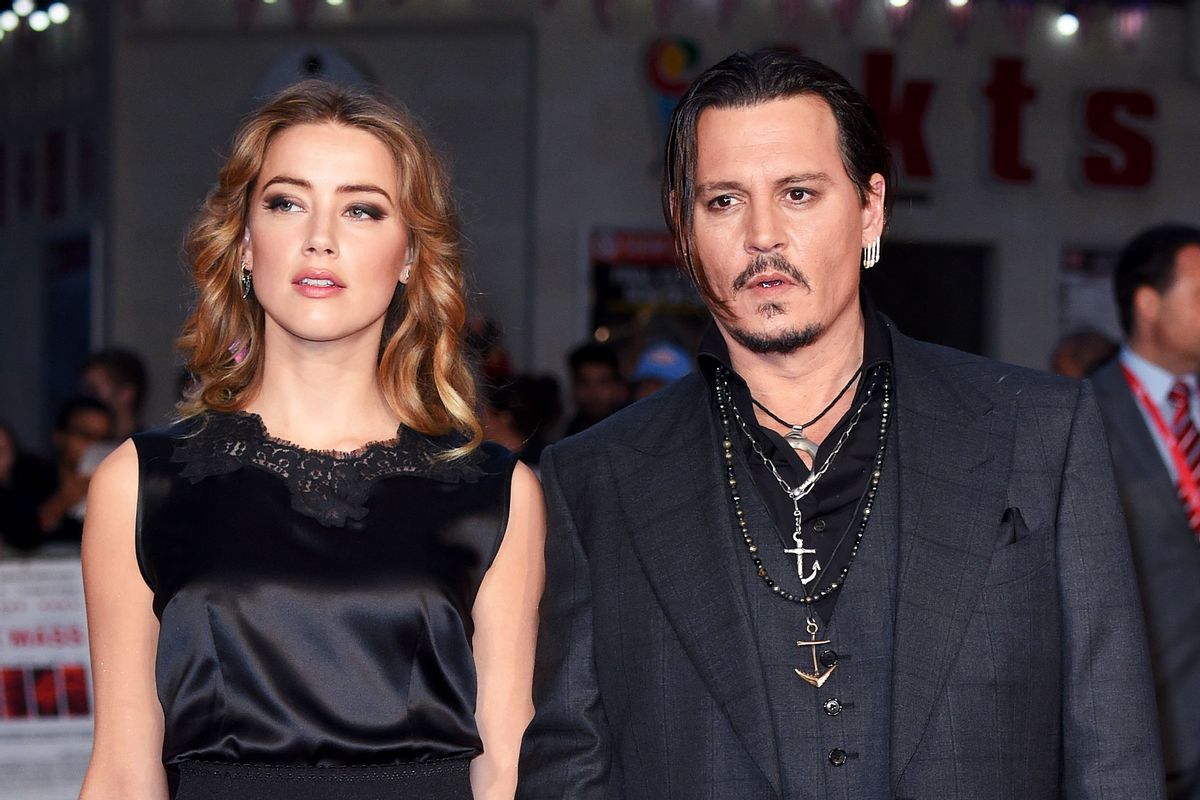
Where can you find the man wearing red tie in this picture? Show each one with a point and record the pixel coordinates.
(1151, 407)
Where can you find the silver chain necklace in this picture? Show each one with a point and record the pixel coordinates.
(817, 677)
(802, 489)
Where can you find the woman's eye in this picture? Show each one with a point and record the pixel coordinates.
(364, 212)
(281, 204)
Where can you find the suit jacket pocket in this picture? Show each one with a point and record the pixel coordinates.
(1020, 552)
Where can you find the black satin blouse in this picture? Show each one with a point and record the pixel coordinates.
(315, 608)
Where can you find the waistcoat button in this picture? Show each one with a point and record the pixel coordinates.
(837, 756)
(833, 706)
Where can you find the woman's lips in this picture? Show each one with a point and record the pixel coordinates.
(317, 285)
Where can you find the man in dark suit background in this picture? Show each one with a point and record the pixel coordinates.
(1148, 399)
(834, 562)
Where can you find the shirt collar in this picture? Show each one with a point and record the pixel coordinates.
(1156, 380)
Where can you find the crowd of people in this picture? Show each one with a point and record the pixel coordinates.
(43, 499)
(818, 559)
(43, 496)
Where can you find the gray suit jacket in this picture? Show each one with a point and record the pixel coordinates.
(1019, 666)
(1168, 564)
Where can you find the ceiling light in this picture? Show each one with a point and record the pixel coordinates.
(59, 12)
(23, 7)
(9, 20)
(1067, 24)
(39, 20)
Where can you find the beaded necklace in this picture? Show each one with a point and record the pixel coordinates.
(725, 404)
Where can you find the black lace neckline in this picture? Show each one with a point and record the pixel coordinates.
(330, 486)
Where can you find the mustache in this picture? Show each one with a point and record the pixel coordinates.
(762, 264)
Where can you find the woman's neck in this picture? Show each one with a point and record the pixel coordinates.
(322, 395)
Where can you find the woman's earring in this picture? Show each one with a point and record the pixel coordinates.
(870, 254)
(406, 275)
(245, 279)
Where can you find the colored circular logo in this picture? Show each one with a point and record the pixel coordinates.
(671, 64)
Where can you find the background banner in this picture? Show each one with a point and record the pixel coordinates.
(45, 680)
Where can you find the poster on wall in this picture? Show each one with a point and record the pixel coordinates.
(45, 680)
(638, 292)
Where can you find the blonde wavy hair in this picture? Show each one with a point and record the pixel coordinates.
(423, 370)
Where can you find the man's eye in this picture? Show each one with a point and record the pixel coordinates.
(798, 195)
(724, 201)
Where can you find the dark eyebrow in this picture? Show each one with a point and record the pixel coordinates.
(718, 186)
(803, 177)
(355, 188)
(303, 184)
(350, 188)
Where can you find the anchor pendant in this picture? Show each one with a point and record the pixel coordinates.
(816, 678)
(796, 438)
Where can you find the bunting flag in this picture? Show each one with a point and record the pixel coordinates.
(960, 20)
(301, 11)
(845, 12)
(790, 12)
(1017, 16)
(1086, 15)
(246, 11)
(1130, 23)
(898, 16)
(726, 9)
(662, 12)
(604, 12)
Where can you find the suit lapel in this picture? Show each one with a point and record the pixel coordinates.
(954, 455)
(674, 497)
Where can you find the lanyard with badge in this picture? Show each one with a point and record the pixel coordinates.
(1188, 488)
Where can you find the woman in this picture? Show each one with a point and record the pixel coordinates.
(319, 583)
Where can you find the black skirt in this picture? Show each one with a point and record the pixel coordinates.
(208, 780)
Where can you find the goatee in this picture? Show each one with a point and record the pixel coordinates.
(782, 343)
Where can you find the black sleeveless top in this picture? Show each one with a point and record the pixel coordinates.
(315, 607)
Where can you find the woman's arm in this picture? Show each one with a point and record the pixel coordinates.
(505, 615)
(123, 632)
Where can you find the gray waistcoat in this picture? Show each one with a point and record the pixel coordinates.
(833, 740)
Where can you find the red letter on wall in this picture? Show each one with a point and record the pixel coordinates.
(1008, 92)
(901, 121)
(1135, 166)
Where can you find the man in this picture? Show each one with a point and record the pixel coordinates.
(1148, 399)
(835, 562)
(48, 507)
(117, 377)
(596, 385)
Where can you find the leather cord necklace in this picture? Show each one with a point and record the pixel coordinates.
(795, 437)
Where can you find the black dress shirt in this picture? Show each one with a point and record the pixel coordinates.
(832, 511)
